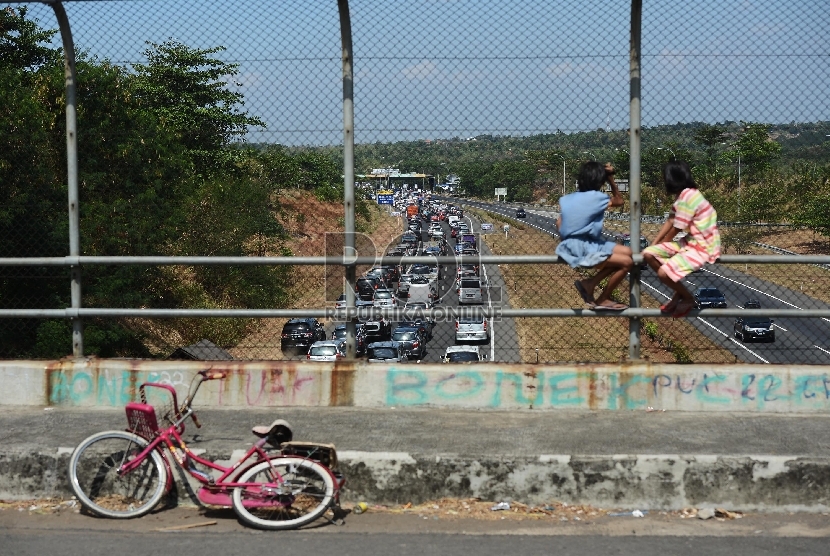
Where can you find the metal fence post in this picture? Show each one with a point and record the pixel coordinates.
(348, 169)
(72, 173)
(634, 173)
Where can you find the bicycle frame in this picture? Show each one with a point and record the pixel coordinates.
(216, 491)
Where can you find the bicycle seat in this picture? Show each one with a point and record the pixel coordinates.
(277, 432)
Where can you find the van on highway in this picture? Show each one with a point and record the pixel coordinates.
(470, 290)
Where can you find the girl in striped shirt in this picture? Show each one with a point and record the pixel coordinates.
(673, 259)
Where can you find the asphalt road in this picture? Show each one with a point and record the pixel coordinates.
(69, 534)
(798, 340)
(503, 345)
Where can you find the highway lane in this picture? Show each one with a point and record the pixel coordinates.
(503, 345)
(798, 341)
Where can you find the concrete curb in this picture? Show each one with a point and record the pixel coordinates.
(667, 482)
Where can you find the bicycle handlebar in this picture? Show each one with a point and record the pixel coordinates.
(207, 374)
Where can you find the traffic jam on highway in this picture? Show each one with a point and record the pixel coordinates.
(461, 290)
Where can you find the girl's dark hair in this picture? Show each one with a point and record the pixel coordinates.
(591, 176)
(678, 176)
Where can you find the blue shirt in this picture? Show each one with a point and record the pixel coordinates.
(583, 213)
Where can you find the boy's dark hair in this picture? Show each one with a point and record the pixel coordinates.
(591, 176)
(678, 176)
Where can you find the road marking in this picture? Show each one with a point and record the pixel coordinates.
(733, 340)
(489, 299)
(756, 290)
(713, 327)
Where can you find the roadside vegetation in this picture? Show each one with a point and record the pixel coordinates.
(163, 170)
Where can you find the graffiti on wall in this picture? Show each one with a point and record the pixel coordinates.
(607, 390)
(248, 387)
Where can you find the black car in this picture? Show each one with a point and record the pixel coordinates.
(424, 325)
(754, 328)
(299, 334)
(360, 337)
(366, 285)
(386, 274)
(707, 298)
(410, 239)
(521, 213)
(414, 343)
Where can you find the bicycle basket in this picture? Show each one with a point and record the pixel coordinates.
(322, 453)
(145, 419)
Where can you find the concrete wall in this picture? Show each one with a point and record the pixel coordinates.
(112, 383)
(671, 482)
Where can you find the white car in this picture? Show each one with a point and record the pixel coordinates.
(462, 354)
(424, 292)
(327, 350)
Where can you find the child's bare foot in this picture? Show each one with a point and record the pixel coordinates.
(683, 308)
(669, 307)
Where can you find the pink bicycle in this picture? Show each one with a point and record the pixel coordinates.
(125, 474)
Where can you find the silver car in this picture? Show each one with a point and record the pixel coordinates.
(385, 298)
(327, 350)
(470, 290)
(472, 328)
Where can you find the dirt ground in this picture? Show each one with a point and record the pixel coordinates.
(469, 516)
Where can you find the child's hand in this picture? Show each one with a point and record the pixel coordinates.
(609, 169)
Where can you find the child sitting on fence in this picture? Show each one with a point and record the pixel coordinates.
(674, 259)
(581, 242)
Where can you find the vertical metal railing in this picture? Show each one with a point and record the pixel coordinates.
(71, 78)
(635, 209)
(348, 170)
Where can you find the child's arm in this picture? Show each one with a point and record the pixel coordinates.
(616, 199)
(667, 232)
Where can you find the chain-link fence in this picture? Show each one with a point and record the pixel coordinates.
(216, 130)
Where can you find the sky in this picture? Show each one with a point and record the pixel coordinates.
(432, 69)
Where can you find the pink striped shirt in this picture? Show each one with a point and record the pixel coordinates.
(695, 215)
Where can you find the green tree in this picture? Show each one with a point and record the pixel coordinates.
(756, 149)
(710, 137)
(22, 41)
(516, 176)
(811, 188)
(33, 221)
(187, 89)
